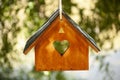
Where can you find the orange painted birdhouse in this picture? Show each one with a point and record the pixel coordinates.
(61, 45)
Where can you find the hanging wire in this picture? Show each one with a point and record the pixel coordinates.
(60, 9)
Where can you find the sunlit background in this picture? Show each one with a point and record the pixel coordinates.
(19, 19)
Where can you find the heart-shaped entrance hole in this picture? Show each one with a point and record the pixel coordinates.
(61, 46)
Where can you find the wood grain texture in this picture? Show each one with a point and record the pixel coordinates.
(75, 58)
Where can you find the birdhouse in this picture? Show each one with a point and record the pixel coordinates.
(61, 45)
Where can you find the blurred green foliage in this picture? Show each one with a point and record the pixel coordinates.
(105, 14)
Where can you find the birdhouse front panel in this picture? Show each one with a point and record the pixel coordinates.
(61, 47)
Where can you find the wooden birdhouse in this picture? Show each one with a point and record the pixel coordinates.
(61, 45)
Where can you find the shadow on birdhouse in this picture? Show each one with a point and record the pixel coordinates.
(61, 45)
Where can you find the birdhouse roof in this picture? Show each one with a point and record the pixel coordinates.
(31, 42)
